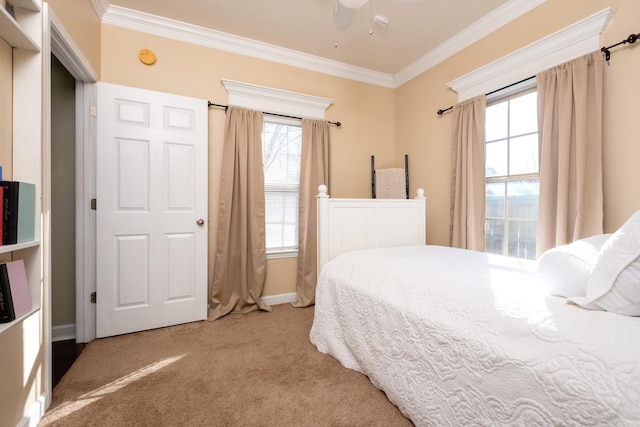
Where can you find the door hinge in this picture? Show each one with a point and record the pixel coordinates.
(93, 204)
(93, 111)
(93, 297)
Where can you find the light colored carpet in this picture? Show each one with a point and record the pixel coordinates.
(256, 369)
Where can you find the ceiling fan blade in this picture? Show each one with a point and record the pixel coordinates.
(342, 16)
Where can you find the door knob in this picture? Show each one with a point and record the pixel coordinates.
(200, 221)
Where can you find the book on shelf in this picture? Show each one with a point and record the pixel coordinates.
(9, 8)
(1, 210)
(6, 302)
(15, 298)
(9, 207)
(26, 212)
(20, 294)
(18, 216)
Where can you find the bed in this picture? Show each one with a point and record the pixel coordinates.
(456, 337)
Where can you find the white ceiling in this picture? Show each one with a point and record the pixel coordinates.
(417, 28)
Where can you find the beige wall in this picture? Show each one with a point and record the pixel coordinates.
(82, 23)
(384, 122)
(621, 124)
(425, 136)
(366, 112)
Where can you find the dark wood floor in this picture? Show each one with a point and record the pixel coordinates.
(64, 354)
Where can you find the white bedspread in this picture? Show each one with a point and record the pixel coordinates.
(457, 337)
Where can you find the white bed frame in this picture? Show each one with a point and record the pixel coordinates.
(350, 224)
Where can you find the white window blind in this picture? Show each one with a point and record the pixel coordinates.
(281, 149)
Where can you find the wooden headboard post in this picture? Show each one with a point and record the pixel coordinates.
(323, 224)
(350, 224)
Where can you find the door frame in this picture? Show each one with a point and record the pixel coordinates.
(86, 96)
(57, 41)
(68, 53)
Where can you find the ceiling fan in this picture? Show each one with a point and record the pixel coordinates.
(344, 11)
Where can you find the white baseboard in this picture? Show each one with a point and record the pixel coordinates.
(280, 299)
(63, 332)
(68, 332)
(35, 412)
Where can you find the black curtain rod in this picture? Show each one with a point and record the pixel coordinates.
(607, 56)
(211, 104)
(493, 91)
(631, 39)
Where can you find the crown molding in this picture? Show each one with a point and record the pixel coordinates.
(576, 40)
(139, 21)
(164, 27)
(100, 6)
(276, 101)
(481, 28)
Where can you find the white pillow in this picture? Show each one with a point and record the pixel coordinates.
(566, 269)
(614, 284)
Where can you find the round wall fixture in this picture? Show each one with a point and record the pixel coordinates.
(147, 57)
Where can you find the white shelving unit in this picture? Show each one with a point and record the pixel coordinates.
(19, 246)
(20, 33)
(13, 33)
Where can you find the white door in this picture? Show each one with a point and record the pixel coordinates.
(151, 188)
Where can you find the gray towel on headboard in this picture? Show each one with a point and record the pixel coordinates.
(391, 184)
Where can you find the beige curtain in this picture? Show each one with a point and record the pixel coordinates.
(570, 134)
(314, 170)
(240, 260)
(468, 178)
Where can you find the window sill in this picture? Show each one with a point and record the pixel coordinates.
(283, 254)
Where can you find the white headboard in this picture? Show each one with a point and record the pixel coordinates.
(350, 224)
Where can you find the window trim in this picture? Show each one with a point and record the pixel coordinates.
(510, 92)
(282, 253)
(573, 41)
(262, 98)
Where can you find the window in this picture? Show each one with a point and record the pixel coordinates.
(281, 149)
(512, 175)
